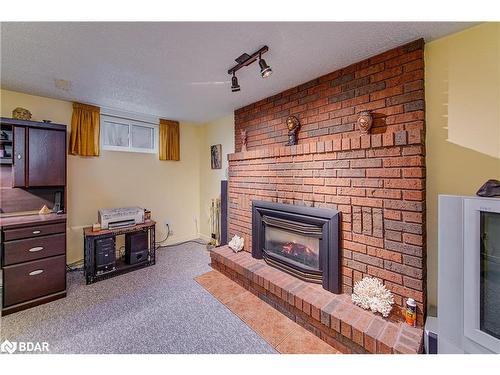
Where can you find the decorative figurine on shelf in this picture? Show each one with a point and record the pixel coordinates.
(44, 210)
(243, 140)
(21, 114)
(293, 125)
(365, 121)
(490, 188)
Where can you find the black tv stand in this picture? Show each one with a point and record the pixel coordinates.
(121, 267)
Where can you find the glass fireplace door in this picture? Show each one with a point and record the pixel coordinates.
(296, 247)
(490, 274)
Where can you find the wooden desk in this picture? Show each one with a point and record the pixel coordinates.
(91, 275)
(33, 256)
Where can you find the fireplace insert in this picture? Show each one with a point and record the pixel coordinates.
(303, 241)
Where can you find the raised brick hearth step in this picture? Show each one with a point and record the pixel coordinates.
(333, 318)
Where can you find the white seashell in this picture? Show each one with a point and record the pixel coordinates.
(371, 294)
(236, 243)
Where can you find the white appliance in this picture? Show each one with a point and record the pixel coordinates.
(112, 218)
(469, 275)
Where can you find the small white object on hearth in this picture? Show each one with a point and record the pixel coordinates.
(236, 243)
(370, 293)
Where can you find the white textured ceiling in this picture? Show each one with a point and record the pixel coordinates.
(179, 70)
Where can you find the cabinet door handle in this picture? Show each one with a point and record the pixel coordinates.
(35, 272)
(35, 249)
(19, 156)
(37, 231)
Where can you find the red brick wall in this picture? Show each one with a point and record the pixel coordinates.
(377, 181)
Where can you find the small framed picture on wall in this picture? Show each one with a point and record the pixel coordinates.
(216, 153)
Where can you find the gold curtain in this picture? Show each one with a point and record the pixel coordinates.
(169, 140)
(85, 124)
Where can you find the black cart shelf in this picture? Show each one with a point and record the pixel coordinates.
(90, 237)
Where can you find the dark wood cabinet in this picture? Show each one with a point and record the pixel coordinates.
(19, 157)
(30, 280)
(46, 162)
(33, 231)
(39, 154)
(33, 260)
(33, 246)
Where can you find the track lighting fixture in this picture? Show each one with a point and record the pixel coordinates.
(235, 87)
(245, 60)
(265, 70)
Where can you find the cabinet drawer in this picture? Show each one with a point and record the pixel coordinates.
(34, 248)
(34, 231)
(26, 281)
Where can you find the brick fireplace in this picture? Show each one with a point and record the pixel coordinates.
(376, 180)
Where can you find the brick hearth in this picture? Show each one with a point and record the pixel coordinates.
(376, 181)
(331, 317)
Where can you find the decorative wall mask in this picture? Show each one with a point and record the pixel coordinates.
(21, 114)
(243, 140)
(293, 126)
(365, 121)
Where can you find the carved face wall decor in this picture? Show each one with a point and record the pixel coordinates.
(365, 121)
(292, 122)
(293, 125)
(243, 140)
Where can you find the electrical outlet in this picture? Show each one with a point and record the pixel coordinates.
(168, 227)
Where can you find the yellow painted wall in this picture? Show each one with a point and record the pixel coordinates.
(215, 132)
(462, 83)
(462, 92)
(169, 189)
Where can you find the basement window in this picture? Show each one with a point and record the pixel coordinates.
(129, 135)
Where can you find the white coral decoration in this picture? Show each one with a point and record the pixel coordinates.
(236, 243)
(370, 293)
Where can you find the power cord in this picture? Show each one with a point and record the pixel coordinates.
(176, 244)
(75, 266)
(183, 242)
(158, 244)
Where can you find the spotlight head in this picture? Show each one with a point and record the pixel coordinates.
(235, 87)
(265, 70)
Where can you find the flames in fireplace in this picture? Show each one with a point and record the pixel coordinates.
(296, 247)
(301, 253)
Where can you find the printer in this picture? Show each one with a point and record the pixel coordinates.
(112, 218)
